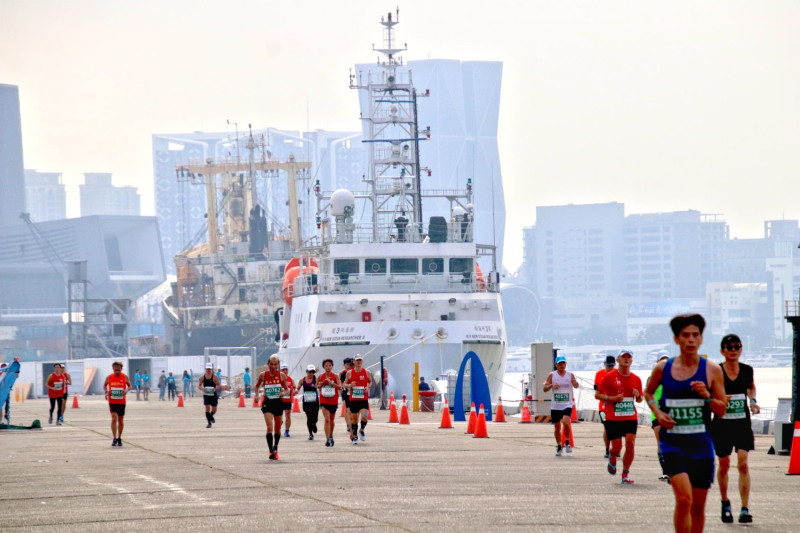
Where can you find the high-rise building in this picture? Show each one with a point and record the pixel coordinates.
(45, 196)
(100, 197)
(12, 177)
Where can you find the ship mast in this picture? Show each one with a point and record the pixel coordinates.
(393, 137)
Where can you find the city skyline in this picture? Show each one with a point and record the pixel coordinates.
(690, 106)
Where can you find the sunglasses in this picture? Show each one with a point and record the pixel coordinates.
(733, 347)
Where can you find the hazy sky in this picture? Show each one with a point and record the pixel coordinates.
(661, 105)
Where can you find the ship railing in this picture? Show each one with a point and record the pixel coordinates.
(391, 283)
(453, 231)
(217, 259)
(792, 308)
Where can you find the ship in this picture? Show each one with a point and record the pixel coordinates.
(379, 279)
(228, 289)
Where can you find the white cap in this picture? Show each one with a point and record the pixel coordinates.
(210, 366)
(311, 368)
(284, 367)
(358, 356)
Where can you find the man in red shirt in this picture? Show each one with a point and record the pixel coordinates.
(619, 389)
(116, 388)
(358, 382)
(56, 385)
(287, 401)
(598, 379)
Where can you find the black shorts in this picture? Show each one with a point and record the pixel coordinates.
(331, 408)
(117, 408)
(616, 429)
(346, 400)
(556, 416)
(654, 423)
(358, 405)
(730, 435)
(273, 407)
(701, 471)
(211, 400)
(65, 396)
(287, 406)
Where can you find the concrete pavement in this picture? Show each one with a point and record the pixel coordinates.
(173, 474)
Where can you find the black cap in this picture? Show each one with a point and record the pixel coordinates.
(611, 360)
(348, 361)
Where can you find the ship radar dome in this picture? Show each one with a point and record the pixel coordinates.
(342, 203)
(458, 211)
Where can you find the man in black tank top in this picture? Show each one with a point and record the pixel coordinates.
(733, 430)
(210, 386)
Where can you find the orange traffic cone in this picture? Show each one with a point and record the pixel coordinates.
(794, 455)
(391, 397)
(473, 419)
(446, 422)
(565, 437)
(241, 399)
(75, 401)
(404, 412)
(256, 403)
(341, 413)
(263, 398)
(393, 419)
(480, 426)
(574, 416)
(526, 415)
(180, 399)
(500, 415)
(369, 413)
(296, 405)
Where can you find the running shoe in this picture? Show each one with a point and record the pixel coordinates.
(726, 515)
(612, 469)
(558, 451)
(310, 436)
(50, 420)
(213, 420)
(331, 442)
(273, 456)
(363, 437)
(58, 421)
(209, 425)
(627, 481)
(328, 443)
(663, 477)
(607, 455)
(354, 438)
(114, 442)
(569, 448)
(119, 443)
(286, 433)
(276, 455)
(745, 517)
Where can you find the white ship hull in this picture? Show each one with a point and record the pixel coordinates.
(438, 346)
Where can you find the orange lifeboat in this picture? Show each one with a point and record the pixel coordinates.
(480, 281)
(291, 273)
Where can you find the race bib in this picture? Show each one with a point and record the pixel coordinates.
(209, 391)
(561, 397)
(272, 392)
(58, 385)
(358, 393)
(688, 416)
(624, 408)
(737, 408)
(310, 396)
(117, 393)
(328, 391)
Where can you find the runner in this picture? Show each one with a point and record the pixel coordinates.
(358, 381)
(328, 384)
(287, 400)
(56, 383)
(275, 387)
(561, 383)
(618, 391)
(733, 430)
(598, 378)
(662, 355)
(348, 415)
(308, 388)
(67, 383)
(209, 384)
(116, 387)
(693, 388)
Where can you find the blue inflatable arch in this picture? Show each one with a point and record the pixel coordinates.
(479, 388)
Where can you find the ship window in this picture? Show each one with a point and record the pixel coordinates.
(242, 295)
(240, 274)
(349, 266)
(403, 265)
(460, 264)
(375, 266)
(432, 265)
